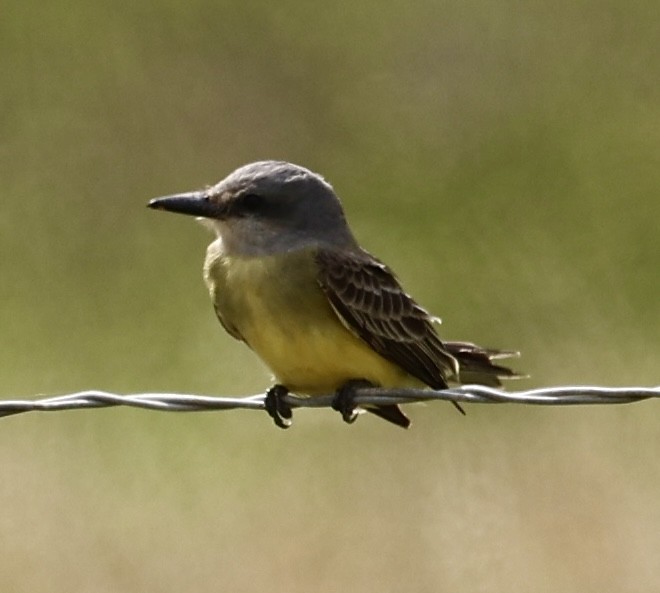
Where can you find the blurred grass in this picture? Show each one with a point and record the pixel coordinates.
(503, 158)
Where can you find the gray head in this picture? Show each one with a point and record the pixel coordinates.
(267, 207)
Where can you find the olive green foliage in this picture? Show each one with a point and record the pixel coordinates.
(502, 157)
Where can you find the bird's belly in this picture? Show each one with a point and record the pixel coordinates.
(321, 358)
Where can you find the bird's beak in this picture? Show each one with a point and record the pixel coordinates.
(194, 203)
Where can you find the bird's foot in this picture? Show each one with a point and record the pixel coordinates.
(344, 400)
(276, 407)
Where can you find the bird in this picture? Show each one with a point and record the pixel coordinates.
(287, 277)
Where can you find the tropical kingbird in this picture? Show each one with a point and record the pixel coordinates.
(287, 277)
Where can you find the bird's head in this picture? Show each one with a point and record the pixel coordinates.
(267, 207)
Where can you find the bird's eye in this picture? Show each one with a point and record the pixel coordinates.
(251, 202)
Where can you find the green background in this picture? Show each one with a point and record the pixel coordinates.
(503, 158)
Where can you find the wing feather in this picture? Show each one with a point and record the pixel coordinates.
(369, 300)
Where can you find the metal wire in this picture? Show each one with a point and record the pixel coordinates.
(476, 394)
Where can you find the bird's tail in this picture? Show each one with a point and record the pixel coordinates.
(475, 367)
(476, 364)
(392, 413)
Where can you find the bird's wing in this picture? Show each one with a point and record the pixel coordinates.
(370, 302)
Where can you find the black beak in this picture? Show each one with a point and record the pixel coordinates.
(194, 203)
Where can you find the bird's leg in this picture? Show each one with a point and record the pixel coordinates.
(276, 407)
(344, 400)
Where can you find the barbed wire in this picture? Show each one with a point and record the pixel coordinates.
(475, 394)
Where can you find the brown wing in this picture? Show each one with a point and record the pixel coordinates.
(370, 301)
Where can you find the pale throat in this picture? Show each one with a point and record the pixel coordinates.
(250, 238)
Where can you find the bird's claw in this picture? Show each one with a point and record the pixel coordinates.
(344, 400)
(277, 408)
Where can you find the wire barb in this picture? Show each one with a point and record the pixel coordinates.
(473, 394)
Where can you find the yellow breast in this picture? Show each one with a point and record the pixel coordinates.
(277, 307)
